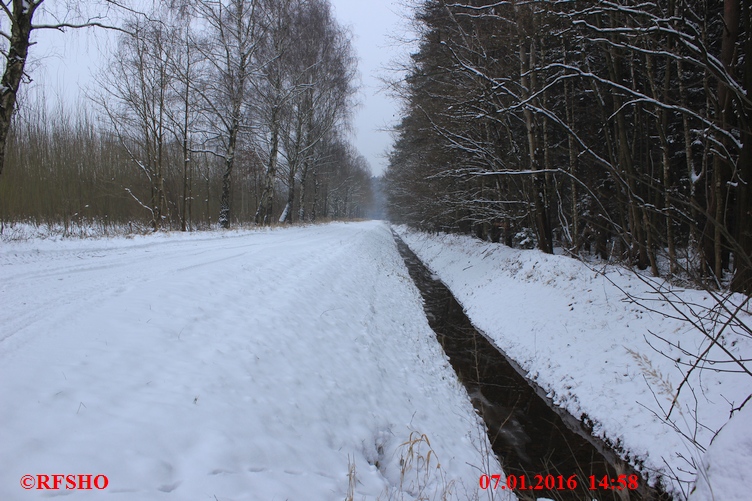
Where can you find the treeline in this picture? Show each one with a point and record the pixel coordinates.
(621, 128)
(218, 111)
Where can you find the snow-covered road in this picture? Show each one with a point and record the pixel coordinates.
(228, 366)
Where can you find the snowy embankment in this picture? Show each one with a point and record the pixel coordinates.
(288, 364)
(575, 334)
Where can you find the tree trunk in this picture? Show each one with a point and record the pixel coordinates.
(18, 51)
(224, 203)
(186, 150)
(302, 202)
(542, 226)
(661, 124)
(290, 196)
(315, 192)
(575, 233)
(716, 251)
(742, 281)
(288, 214)
(691, 174)
(264, 211)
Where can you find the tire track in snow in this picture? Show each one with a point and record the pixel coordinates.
(62, 290)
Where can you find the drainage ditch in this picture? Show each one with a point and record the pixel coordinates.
(530, 435)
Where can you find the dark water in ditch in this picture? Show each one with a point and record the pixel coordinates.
(528, 436)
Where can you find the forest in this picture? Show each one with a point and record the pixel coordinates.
(618, 129)
(207, 113)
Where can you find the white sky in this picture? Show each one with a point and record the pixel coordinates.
(64, 64)
(374, 23)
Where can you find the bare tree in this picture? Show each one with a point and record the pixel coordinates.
(324, 66)
(274, 91)
(250, 90)
(19, 16)
(185, 66)
(234, 33)
(135, 97)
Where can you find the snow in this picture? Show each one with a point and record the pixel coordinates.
(725, 471)
(269, 365)
(298, 364)
(596, 353)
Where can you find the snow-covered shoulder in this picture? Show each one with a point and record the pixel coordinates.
(615, 362)
(725, 471)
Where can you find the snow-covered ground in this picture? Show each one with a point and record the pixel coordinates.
(571, 328)
(289, 364)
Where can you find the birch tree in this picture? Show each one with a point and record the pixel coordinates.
(274, 90)
(17, 23)
(325, 67)
(234, 31)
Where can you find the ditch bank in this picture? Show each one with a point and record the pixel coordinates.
(536, 441)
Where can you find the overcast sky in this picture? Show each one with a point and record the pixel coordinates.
(64, 64)
(374, 24)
